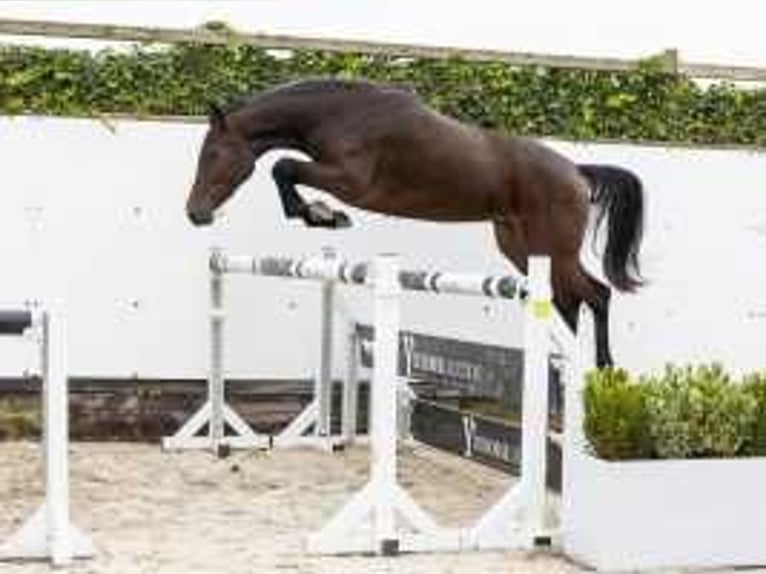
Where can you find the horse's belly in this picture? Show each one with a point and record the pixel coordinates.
(437, 204)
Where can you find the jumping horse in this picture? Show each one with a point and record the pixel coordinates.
(380, 148)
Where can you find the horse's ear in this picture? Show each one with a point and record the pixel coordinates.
(216, 116)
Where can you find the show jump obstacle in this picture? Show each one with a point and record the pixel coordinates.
(48, 534)
(382, 517)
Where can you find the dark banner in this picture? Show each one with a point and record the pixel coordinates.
(470, 369)
(494, 443)
(488, 441)
(464, 368)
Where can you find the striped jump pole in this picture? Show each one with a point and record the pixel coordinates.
(49, 533)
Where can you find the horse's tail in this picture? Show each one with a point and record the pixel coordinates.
(618, 194)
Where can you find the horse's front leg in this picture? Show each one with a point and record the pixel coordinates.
(289, 172)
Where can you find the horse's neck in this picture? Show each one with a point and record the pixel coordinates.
(271, 125)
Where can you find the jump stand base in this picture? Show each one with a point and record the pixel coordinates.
(34, 541)
(352, 529)
(188, 437)
(296, 434)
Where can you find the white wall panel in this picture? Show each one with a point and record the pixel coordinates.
(96, 216)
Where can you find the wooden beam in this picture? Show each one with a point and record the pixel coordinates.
(220, 34)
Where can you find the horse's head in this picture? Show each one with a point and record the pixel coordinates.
(225, 161)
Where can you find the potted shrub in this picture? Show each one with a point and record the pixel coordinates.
(672, 473)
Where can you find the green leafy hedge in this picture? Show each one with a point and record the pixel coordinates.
(689, 412)
(647, 104)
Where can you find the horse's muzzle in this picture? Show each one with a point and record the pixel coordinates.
(200, 218)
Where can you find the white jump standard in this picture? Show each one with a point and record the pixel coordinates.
(312, 425)
(372, 521)
(215, 413)
(49, 533)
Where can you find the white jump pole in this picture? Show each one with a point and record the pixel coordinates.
(384, 405)
(350, 403)
(323, 381)
(49, 533)
(518, 519)
(534, 417)
(574, 447)
(216, 383)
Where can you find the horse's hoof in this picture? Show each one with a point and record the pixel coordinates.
(318, 214)
(340, 220)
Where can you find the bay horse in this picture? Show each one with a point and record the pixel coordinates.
(381, 149)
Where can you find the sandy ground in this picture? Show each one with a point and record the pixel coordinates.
(154, 512)
(150, 512)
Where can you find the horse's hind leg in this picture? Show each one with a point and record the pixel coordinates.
(567, 301)
(599, 304)
(571, 285)
(289, 172)
(597, 296)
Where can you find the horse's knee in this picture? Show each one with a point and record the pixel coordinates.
(284, 170)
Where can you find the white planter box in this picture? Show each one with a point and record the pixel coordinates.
(665, 514)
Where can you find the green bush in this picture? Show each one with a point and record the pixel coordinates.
(755, 386)
(19, 419)
(685, 412)
(179, 80)
(697, 412)
(615, 416)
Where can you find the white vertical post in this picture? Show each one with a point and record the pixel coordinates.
(576, 366)
(383, 399)
(216, 384)
(351, 386)
(406, 395)
(538, 313)
(56, 433)
(574, 444)
(323, 383)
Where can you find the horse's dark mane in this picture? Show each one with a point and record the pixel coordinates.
(312, 86)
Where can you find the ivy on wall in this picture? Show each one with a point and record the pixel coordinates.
(647, 104)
